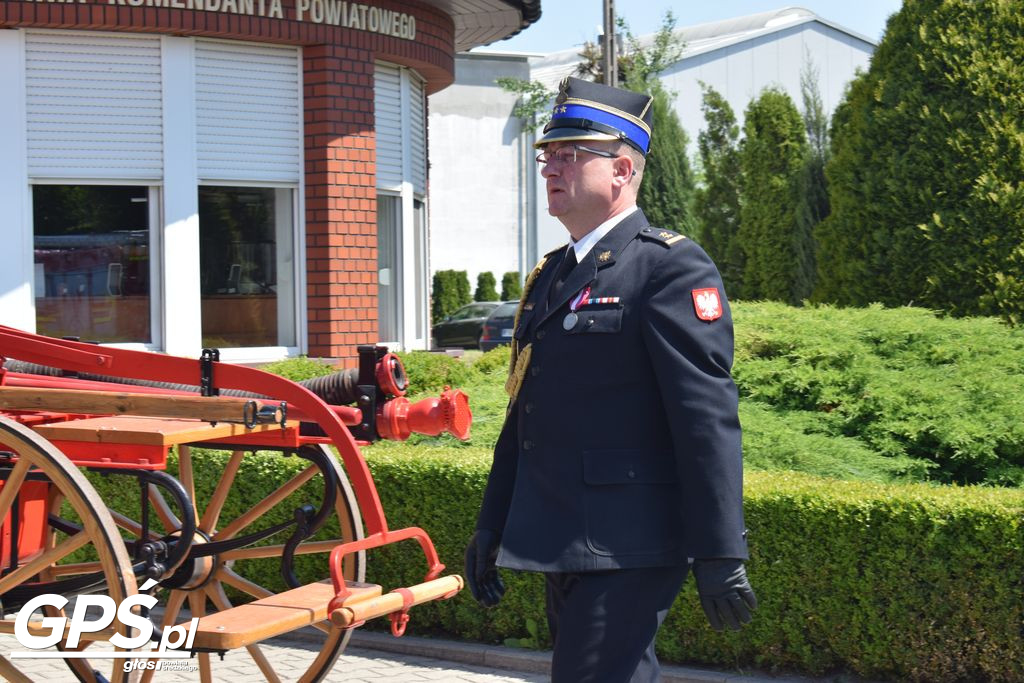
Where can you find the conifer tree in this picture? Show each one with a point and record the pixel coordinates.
(486, 287)
(772, 155)
(926, 177)
(717, 202)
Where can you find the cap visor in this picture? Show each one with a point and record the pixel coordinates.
(569, 134)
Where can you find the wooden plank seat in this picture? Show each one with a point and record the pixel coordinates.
(132, 441)
(274, 615)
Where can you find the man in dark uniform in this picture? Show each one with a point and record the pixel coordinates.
(619, 463)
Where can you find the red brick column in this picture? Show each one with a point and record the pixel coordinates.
(341, 204)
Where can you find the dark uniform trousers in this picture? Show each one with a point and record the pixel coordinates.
(620, 457)
(603, 623)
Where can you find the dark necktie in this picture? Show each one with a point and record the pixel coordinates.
(568, 263)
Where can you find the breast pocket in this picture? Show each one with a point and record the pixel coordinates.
(597, 321)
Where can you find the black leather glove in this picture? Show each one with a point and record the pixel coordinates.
(481, 572)
(725, 594)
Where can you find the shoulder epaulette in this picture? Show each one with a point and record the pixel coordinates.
(662, 236)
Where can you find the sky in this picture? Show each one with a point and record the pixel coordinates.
(569, 23)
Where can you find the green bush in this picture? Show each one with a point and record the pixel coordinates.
(909, 582)
(896, 383)
(298, 369)
(868, 394)
(430, 373)
(449, 290)
(511, 286)
(485, 287)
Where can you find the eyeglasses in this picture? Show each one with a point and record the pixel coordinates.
(567, 155)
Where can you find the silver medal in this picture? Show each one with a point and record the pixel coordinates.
(570, 321)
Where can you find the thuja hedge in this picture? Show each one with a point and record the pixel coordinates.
(897, 582)
(912, 582)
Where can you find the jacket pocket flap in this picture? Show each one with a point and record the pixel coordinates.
(593, 320)
(628, 466)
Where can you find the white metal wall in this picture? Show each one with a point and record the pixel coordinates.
(248, 112)
(93, 105)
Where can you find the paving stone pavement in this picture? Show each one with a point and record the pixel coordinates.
(290, 658)
(373, 656)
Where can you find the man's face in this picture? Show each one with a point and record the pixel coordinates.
(580, 190)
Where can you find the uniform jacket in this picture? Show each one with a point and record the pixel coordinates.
(622, 448)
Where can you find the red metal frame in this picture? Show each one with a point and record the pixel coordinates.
(126, 363)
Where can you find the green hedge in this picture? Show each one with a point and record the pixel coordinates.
(909, 582)
(900, 582)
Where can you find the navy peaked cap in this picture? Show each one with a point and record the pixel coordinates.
(592, 111)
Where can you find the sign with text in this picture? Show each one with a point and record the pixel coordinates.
(353, 15)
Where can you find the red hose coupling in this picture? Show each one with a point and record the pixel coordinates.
(398, 418)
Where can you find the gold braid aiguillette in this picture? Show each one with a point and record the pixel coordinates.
(519, 360)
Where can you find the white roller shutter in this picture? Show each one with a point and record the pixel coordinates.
(388, 117)
(248, 112)
(400, 115)
(93, 105)
(417, 135)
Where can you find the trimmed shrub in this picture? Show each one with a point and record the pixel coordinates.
(449, 291)
(511, 286)
(485, 287)
(777, 252)
(912, 582)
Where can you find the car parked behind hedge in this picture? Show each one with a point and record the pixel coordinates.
(463, 327)
(497, 328)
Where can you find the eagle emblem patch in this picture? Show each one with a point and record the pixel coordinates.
(707, 303)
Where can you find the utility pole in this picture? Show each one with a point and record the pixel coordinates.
(609, 62)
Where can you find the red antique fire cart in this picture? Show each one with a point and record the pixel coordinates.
(224, 569)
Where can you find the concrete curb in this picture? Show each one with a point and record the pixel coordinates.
(531, 661)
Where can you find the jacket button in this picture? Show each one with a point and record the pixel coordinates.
(590, 321)
(631, 474)
(534, 371)
(527, 445)
(528, 408)
(541, 333)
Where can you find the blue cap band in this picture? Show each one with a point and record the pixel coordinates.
(635, 133)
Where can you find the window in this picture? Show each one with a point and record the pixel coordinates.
(247, 266)
(389, 268)
(91, 248)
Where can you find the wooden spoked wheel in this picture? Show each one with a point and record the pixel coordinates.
(41, 489)
(226, 509)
